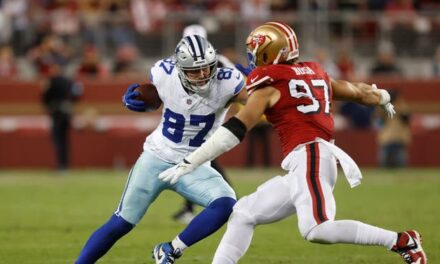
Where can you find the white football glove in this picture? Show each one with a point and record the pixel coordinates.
(174, 173)
(385, 99)
(389, 109)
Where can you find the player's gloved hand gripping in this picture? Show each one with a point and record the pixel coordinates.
(173, 174)
(129, 99)
(385, 103)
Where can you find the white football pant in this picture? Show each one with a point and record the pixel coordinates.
(306, 190)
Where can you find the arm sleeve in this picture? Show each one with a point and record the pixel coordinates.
(224, 139)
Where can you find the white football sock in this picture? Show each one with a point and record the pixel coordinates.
(177, 243)
(235, 241)
(352, 232)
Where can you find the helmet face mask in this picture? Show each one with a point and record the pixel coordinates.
(251, 59)
(271, 43)
(196, 61)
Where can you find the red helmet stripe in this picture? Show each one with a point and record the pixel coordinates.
(291, 36)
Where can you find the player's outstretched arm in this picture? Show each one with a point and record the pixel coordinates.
(229, 135)
(355, 92)
(364, 94)
(222, 140)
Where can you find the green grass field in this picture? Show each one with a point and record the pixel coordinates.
(47, 217)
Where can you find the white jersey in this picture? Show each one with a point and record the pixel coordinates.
(188, 119)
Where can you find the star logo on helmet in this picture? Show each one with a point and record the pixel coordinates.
(257, 40)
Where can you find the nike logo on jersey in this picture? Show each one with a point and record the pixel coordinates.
(253, 79)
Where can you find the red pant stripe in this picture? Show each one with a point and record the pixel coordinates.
(314, 183)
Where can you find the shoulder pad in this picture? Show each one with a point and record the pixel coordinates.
(162, 69)
(259, 77)
(232, 79)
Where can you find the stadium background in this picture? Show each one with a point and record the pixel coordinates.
(121, 39)
(48, 215)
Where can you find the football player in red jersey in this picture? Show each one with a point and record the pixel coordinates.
(296, 98)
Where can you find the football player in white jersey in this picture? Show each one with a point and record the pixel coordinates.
(186, 213)
(195, 95)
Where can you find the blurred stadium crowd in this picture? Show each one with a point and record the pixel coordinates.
(107, 44)
(102, 38)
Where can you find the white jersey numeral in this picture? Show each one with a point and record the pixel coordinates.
(300, 89)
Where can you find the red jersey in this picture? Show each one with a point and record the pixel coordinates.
(303, 111)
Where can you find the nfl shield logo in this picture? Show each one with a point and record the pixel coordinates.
(189, 101)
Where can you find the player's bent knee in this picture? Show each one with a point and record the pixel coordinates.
(118, 226)
(226, 203)
(223, 205)
(242, 214)
(241, 218)
(243, 205)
